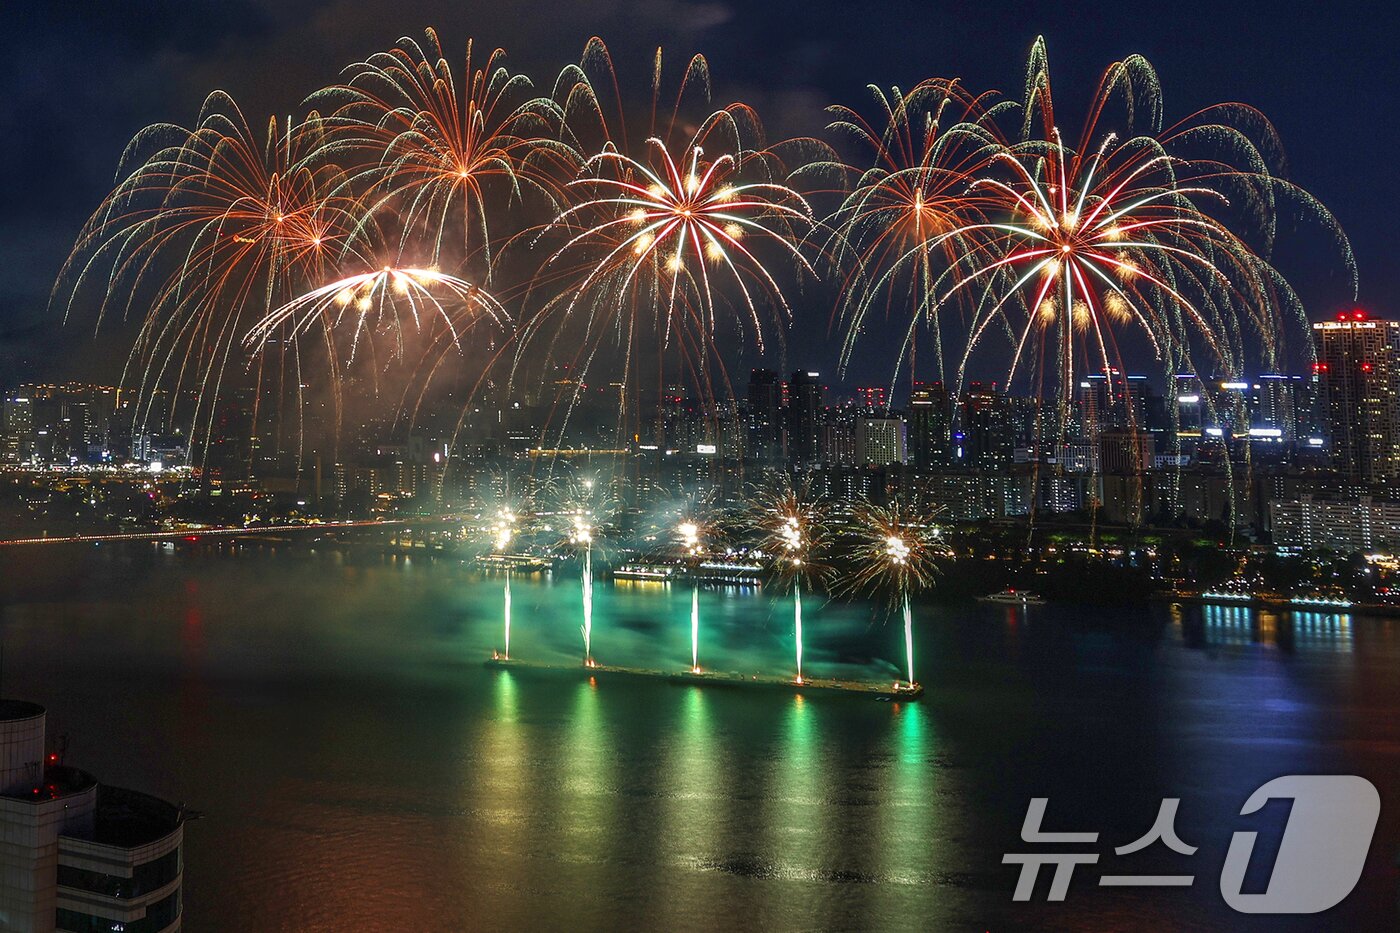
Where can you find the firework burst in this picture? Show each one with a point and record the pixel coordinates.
(430, 148)
(1128, 232)
(664, 248)
(895, 556)
(927, 145)
(209, 228)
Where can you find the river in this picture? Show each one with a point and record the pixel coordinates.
(357, 768)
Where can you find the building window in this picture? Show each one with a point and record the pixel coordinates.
(145, 878)
(158, 916)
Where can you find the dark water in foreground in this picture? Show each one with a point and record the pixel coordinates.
(360, 770)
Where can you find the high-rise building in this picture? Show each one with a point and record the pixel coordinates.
(1232, 401)
(1276, 405)
(77, 855)
(872, 398)
(1357, 368)
(880, 441)
(838, 436)
(764, 414)
(1189, 404)
(987, 440)
(1112, 400)
(806, 403)
(19, 428)
(1124, 451)
(930, 436)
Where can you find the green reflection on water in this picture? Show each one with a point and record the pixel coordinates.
(797, 792)
(906, 791)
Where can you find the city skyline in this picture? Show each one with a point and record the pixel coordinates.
(685, 465)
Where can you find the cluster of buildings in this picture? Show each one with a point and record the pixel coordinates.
(1309, 460)
(76, 424)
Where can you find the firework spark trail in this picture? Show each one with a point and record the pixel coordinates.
(1127, 233)
(381, 297)
(695, 629)
(791, 526)
(588, 606)
(909, 637)
(797, 623)
(582, 536)
(433, 155)
(507, 613)
(895, 555)
(927, 146)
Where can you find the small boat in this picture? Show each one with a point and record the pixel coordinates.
(1013, 598)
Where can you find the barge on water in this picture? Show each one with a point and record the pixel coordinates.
(888, 690)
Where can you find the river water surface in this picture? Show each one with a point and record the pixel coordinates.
(357, 768)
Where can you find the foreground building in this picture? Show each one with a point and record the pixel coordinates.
(75, 855)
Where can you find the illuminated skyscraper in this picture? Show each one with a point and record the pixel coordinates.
(930, 426)
(1276, 406)
(1357, 374)
(880, 441)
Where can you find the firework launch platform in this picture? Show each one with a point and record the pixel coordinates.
(886, 690)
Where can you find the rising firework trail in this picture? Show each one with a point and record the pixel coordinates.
(502, 530)
(791, 527)
(588, 503)
(688, 534)
(895, 557)
(581, 536)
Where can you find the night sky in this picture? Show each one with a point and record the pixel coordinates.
(78, 80)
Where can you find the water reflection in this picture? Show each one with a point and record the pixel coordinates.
(361, 769)
(496, 789)
(1287, 630)
(693, 808)
(795, 787)
(906, 793)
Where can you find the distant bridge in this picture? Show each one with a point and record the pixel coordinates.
(197, 534)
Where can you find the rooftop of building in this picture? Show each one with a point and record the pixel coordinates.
(129, 818)
(15, 710)
(59, 781)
